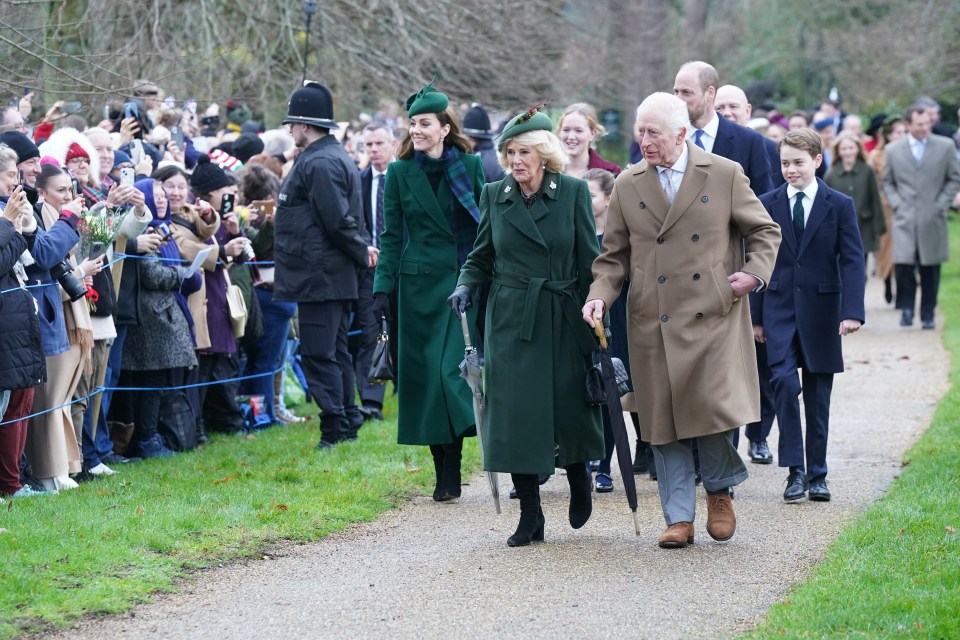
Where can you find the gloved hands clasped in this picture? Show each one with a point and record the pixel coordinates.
(460, 300)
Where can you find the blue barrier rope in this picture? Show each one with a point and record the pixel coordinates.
(176, 388)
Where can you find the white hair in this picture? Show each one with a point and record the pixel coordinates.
(668, 108)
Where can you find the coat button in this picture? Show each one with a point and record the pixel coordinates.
(643, 205)
(699, 316)
(664, 318)
(661, 279)
(696, 276)
(798, 265)
(797, 288)
(426, 269)
(695, 237)
(659, 240)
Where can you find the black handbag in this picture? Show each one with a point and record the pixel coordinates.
(381, 365)
(595, 391)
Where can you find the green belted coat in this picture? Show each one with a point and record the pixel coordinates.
(538, 263)
(418, 256)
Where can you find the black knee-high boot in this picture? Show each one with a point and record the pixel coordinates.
(531, 515)
(581, 494)
(452, 455)
(436, 450)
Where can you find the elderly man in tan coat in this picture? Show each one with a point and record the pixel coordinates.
(677, 225)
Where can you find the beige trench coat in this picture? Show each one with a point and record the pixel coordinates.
(692, 354)
(190, 244)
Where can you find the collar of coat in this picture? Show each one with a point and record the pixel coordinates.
(509, 190)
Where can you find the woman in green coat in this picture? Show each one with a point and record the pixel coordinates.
(535, 247)
(430, 224)
(852, 176)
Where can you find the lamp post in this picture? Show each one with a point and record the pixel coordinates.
(309, 8)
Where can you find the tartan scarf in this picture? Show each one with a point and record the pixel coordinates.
(456, 174)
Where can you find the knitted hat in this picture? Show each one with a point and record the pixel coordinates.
(427, 100)
(246, 146)
(237, 114)
(208, 177)
(75, 151)
(21, 145)
(531, 120)
(119, 158)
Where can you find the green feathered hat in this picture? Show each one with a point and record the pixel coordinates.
(427, 100)
(531, 120)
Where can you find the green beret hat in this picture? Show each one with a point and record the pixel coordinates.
(427, 100)
(532, 120)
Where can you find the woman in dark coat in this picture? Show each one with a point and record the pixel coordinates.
(162, 342)
(430, 198)
(535, 246)
(851, 175)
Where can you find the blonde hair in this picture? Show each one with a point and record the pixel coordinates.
(545, 143)
(588, 113)
(7, 156)
(847, 135)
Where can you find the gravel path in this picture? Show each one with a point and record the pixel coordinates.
(432, 570)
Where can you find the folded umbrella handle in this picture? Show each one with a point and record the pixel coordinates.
(598, 329)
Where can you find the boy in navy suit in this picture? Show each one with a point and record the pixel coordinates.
(815, 296)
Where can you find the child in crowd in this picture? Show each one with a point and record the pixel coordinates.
(814, 297)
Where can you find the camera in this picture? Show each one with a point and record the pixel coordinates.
(74, 288)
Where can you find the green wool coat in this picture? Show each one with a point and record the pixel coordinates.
(538, 263)
(435, 402)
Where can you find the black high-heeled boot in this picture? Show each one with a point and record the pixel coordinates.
(530, 528)
(452, 455)
(581, 494)
(436, 450)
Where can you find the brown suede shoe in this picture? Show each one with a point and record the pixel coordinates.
(677, 535)
(721, 520)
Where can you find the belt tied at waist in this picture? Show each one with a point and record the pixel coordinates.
(568, 304)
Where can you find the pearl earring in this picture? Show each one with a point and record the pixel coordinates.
(543, 164)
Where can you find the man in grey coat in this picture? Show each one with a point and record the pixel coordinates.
(920, 179)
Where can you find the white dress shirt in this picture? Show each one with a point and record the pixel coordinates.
(808, 196)
(709, 133)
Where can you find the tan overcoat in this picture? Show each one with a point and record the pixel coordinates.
(692, 354)
(191, 233)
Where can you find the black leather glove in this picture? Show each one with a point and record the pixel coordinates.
(460, 300)
(381, 306)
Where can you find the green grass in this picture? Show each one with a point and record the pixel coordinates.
(108, 545)
(895, 572)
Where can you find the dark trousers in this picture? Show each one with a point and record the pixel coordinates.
(757, 431)
(267, 354)
(907, 288)
(146, 405)
(111, 380)
(217, 403)
(370, 394)
(326, 362)
(13, 439)
(816, 388)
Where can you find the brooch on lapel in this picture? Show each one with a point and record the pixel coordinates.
(643, 205)
(704, 199)
(553, 185)
(507, 189)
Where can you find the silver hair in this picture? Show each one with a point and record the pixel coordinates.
(668, 108)
(7, 157)
(545, 143)
(378, 126)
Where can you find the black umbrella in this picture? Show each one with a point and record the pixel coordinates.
(619, 427)
(472, 371)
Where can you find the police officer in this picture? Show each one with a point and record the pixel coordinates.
(321, 246)
(476, 126)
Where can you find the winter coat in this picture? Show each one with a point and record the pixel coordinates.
(860, 183)
(191, 233)
(692, 355)
(424, 271)
(21, 353)
(321, 243)
(538, 263)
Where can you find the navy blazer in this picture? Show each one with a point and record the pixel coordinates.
(366, 184)
(814, 285)
(776, 173)
(745, 146)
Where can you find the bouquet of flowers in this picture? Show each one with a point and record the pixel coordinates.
(97, 230)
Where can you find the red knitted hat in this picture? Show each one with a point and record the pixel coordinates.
(75, 151)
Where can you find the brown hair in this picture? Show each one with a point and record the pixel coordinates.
(888, 126)
(603, 178)
(453, 139)
(846, 135)
(804, 139)
(908, 114)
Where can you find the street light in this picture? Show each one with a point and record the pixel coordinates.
(309, 8)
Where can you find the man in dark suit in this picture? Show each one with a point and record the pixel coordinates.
(380, 146)
(732, 104)
(815, 296)
(696, 84)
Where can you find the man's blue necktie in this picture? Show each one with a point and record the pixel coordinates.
(697, 139)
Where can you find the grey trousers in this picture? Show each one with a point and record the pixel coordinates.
(720, 466)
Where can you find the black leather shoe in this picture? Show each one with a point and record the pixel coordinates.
(819, 491)
(760, 452)
(370, 412)
(906, 318)
(116, 458)
(796, 487)
(929, 324)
